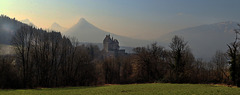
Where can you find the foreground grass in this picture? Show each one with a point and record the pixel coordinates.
(133, 89)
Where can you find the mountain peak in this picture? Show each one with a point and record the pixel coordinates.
(25, 20)
(82, 20)
(84, 31)
(55, 25)
(28, 22)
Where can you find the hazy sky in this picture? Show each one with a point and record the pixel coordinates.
(143, 19)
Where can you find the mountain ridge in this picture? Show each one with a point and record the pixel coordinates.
(205, 40)
(87, 32)
(28, 22)
(56, 27)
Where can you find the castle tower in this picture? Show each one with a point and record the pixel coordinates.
(111, 47)
(110, 44)
(106, 41)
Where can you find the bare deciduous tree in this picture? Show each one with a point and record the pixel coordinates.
(180, 53)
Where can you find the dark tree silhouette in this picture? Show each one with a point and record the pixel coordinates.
(179, 52)
(233, 53)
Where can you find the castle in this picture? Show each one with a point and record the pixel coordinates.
(111, 46)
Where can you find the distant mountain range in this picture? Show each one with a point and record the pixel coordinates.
(204, 40)
(86, 32)
(28, 22)
(56, 27)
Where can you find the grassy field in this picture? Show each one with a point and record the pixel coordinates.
(132, 89)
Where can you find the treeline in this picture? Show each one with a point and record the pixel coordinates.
(8, 26)
(48, 59)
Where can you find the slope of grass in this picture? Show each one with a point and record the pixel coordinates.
(131, 89)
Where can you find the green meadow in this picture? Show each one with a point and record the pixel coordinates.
(131, 89)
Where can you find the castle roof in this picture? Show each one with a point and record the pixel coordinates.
(107, 38)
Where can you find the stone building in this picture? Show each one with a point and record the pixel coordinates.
(111, 46)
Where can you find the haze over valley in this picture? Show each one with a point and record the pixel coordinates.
(203, 40)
